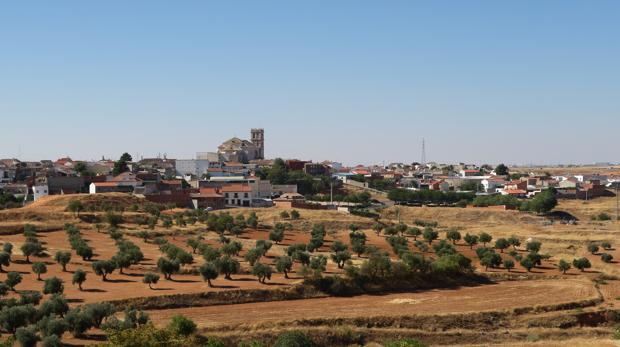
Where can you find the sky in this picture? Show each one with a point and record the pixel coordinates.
(350, 81)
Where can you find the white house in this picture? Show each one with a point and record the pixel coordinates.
(491, 184)
(39, 191)
(195, 167)
(237, 194)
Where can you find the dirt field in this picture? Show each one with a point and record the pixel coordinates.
(549, 287)
(501, 296)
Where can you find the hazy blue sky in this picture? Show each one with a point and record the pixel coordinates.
(353, 81)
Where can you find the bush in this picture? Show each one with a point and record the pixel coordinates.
(603, 217)
(293, 339)
(182, 326)
(406, 342)
(145, 335)
(593, 248)
(295, 214)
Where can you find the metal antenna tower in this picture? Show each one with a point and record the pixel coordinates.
(423, 161)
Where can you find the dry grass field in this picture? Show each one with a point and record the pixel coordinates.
(545, 286)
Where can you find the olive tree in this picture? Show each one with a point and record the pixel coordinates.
(262, 271)
(167, 267)
(284, 264)
(563, 266)
(582, 263)
(53, 285)
(104, 268)
(79, 277)
(150, 278)
(208, 271)
(485, 238)
(471, 240)
(12, 279)
(39, 269)
(63, 258)
(430, 235)
(501, 244)
(227, 266)
(5, 260)
(453, 235)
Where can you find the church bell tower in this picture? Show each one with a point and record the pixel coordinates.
(258, 139)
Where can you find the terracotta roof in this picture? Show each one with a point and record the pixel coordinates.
(171, 182)
(514, 191)
(237, 187)
(233, 163)
(106, 184)
(207, 193)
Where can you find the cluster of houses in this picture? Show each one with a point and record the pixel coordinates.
(482, 180)
(228, 178)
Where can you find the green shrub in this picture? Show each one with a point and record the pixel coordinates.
(182, 326)
(406, 342)
(293, 339)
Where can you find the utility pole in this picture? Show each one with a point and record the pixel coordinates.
(331, 192)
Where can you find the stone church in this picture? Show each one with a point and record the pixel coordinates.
(243, 151)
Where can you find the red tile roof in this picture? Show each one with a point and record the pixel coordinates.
(236, 187)
(515, 191)
(106, 184)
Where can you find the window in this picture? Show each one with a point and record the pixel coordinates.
(236, 195)
(245, 195)
(226, 195)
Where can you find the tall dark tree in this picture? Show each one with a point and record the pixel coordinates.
(121, 166)
(501, 170)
